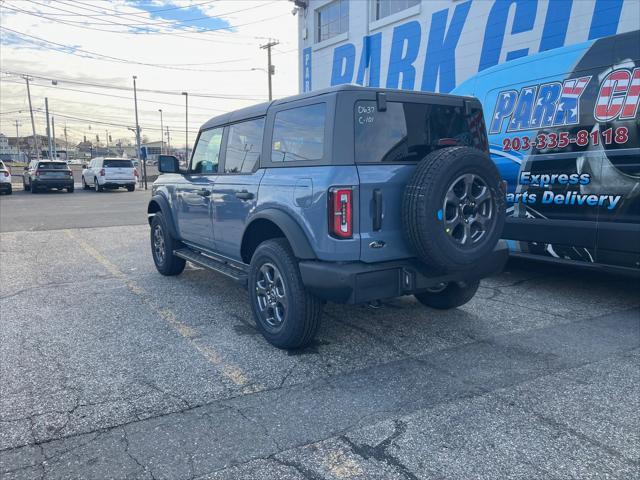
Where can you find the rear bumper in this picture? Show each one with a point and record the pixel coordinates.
(53, 183)
(119, 183)
(5, 186)
(358, 282)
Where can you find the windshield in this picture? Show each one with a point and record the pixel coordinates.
(118, 164)
(52, 166)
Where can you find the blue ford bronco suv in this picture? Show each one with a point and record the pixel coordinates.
(349, 194)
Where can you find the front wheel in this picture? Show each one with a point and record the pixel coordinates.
(450, 295)
(162, 247)
(286, 314)
(84, 184)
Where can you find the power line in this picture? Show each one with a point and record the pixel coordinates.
(173, 33)
(116, 87)
(209, 31)
(147, 12)
(152, 23)
(109, 58)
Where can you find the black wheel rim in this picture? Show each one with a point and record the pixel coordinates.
(468, 210)
(271, 296)
(158, 244)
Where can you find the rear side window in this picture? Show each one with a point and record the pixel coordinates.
(407, 132)
(52, 166)
(118, 164)
(244, 146)
(298, 134)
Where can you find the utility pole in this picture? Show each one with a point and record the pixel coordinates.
(144, 163)
(46, 109)
(161, 134)
(53, 134)
(270, 68)
(106, 138)
(168, 140)
(33, 123)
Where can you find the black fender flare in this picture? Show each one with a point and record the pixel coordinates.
(291, 229)
(163, 204)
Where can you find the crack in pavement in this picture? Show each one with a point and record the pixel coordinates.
(379, 452)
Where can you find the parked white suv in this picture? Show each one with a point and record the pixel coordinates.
(5, 179)
(109, 173)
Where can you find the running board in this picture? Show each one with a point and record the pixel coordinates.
(205, 261)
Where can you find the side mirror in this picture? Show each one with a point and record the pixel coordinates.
(26, 169)
(84, 165)
(168, 164)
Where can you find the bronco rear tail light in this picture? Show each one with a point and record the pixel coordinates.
(37, 173)
(135, 172)
(70, 173)
(102, 172)
(341, 212)
(6, 174)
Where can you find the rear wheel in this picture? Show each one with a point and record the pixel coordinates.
(131, 188)
(70, 189)
(10, 190)
(448, 295)
(286, 314)
(97, 187)
(162, 247)
(25, 186)
(32, 188)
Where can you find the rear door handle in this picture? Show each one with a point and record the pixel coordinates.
(244, 195)
(203, 193)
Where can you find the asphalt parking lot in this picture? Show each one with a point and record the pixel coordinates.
(109, 370)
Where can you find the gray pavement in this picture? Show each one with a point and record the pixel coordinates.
(109, 370)
(55, 209)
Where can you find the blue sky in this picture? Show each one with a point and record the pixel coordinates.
(182, 14)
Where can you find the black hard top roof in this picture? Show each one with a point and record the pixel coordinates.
(262, 108)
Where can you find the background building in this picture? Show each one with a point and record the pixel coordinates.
(434, 45)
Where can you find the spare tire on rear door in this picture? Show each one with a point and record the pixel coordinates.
(453, 208)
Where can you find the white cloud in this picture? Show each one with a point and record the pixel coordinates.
(233, 53)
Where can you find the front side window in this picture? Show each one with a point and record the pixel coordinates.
(298, 134)
(205, 158)
(332, 20)
(244, 146)
(385, 8)
(407, 132)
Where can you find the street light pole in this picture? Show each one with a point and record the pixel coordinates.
(46, 109)
(144, 164)
(161, 133)
(53, 135)
(186, 126)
